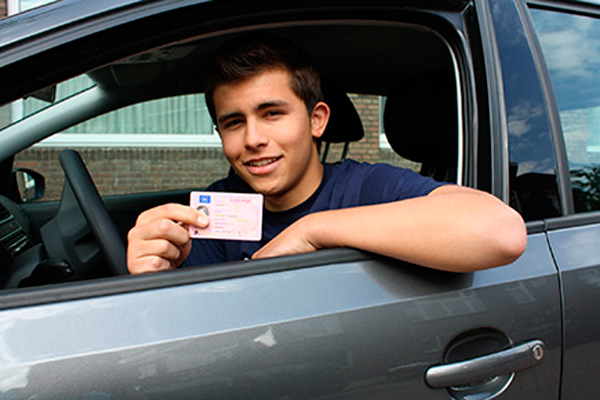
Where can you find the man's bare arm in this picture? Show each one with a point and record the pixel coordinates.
(453, 228)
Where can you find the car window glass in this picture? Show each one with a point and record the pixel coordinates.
(42, 99)
(24, 5)
(532, 170)
(571, 46)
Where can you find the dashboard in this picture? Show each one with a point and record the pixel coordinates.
(15, 237)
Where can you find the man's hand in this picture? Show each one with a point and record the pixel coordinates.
(295, 239)
(160, 239)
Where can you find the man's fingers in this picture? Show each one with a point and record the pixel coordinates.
(174, 212)
(159, 229)
(160, 239)
(149, 264)
(292, 240)
(161, 248)
(156, 255)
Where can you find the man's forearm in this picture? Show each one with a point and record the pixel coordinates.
(454, 229)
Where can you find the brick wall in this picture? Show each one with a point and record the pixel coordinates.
(3, 7)
(132, 170)
(129, 170)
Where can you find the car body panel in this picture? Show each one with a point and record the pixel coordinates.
(576, 252)
(304, 333)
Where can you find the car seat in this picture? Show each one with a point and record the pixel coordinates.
(344, 124)
(421, 122)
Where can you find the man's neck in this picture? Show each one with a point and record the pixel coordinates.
(300, 194)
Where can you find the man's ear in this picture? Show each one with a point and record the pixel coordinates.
(319, 117)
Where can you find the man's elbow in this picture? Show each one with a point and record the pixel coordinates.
(511, 239)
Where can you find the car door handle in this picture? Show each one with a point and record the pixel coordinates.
(486, 367)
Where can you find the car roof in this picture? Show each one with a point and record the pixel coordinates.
(62, 13)
(330, 46)
(57, 14)
(46, 18)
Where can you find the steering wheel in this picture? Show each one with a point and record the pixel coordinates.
(65, 236)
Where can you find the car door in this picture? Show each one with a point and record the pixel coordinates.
(336, 323)
(574, 96)
(355, 327)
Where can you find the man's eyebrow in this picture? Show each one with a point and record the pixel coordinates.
(261, 106)
(268, 104)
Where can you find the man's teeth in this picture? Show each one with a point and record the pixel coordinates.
(262, 163)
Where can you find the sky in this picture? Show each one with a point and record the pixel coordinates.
(571, 47)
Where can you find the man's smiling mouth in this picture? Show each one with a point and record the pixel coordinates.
(262, 162)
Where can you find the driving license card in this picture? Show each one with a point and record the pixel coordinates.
(233, 216)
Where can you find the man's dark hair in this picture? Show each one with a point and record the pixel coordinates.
(248, 55)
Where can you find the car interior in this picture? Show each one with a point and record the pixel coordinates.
(410, 69)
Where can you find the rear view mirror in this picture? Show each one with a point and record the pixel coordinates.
(47, 94)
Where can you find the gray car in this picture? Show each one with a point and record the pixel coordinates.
(102, 116)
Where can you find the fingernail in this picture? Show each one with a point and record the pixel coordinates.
(202, 222)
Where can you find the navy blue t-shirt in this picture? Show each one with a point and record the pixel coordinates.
(344, 185)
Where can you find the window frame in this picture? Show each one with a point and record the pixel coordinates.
(126, 284)
(570, 217)
(131, 140)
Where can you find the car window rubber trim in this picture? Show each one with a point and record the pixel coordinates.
(16, 298)
(565, 191)
(573, 221)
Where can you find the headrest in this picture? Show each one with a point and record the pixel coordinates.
(420, 119)
(344, 122)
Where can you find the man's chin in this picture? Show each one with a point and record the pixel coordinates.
(272, 189)
(265, 191)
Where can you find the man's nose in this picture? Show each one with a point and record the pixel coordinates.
(255, 136)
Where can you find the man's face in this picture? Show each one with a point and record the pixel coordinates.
(267, 137)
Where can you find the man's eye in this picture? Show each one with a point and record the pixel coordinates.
(232, 123)
(273, 113)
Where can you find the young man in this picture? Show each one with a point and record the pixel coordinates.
(264, 96)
